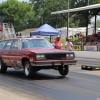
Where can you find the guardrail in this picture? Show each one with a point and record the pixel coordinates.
(87, 47)
(87, 54)
(77, 47)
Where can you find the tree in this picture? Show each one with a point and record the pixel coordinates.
(79, 17)
(15, 12)
(43, 9)
(97, 23)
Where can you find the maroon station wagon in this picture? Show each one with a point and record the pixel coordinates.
(34, 54)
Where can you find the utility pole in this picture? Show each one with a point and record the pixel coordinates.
(26, 23)
(88, 2)
(68, 19)
(42, 20)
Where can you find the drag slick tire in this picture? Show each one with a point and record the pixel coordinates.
(28, 69)
(3, 67)
(63, 70)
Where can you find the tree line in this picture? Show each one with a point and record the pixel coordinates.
(35, 13)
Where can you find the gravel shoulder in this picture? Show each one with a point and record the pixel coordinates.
(6, 94)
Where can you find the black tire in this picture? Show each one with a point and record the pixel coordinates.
(3, 67)
(37, 69)
(63, 70)
(28, 70)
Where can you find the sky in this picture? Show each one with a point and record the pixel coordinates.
(18, 0)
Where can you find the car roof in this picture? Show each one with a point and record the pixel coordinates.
(21, 38)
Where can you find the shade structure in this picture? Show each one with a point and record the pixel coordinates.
(45, 30)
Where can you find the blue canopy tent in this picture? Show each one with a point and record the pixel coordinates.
(45, 30)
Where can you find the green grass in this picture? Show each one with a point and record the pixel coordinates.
(72, 39)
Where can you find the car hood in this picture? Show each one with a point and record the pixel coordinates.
(46, 50)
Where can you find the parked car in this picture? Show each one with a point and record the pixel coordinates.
(34, 54)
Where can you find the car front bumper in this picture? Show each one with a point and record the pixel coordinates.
(54, 63)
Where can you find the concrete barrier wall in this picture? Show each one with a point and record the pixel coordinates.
(87, 54)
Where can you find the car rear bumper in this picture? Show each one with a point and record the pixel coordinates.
(54, 63)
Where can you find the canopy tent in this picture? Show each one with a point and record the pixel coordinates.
(45, 30)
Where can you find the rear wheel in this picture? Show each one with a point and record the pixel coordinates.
(3, 67)
(63, 70)
(28, 69)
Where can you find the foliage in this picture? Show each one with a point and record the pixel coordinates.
(37, 12)
(16, 13)
(79, 17)
(97, 23)
(43, 9)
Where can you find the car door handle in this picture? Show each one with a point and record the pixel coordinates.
(1, 52)
(9, 52)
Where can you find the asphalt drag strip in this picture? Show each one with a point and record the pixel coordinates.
(77, 69)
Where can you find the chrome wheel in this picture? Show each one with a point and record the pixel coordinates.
(27, 69)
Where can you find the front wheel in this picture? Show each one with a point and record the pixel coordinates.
(3, 67)
(28, 69)
(63, 70)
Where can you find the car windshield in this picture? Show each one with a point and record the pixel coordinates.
(36, 43)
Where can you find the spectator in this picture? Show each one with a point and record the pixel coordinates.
(68, 44)
(57, 43)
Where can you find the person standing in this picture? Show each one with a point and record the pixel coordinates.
(68, 44)
(57, 43)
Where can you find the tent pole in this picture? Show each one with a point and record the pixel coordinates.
(50, 39)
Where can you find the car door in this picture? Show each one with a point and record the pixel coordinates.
(15, 55)
(5, 52)
(2, 51)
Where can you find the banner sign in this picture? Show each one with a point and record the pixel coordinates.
(90, 48)
(77, 47)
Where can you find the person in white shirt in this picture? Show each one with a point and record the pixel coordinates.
(68, 44)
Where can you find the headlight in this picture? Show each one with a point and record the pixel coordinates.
(40, 57)
(67, 55)
(70, 56)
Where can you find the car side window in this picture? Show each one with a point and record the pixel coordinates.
(15, 45)
(2, 43)
(8, 45)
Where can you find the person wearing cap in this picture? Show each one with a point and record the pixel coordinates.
(68, 44)
(57, 43)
